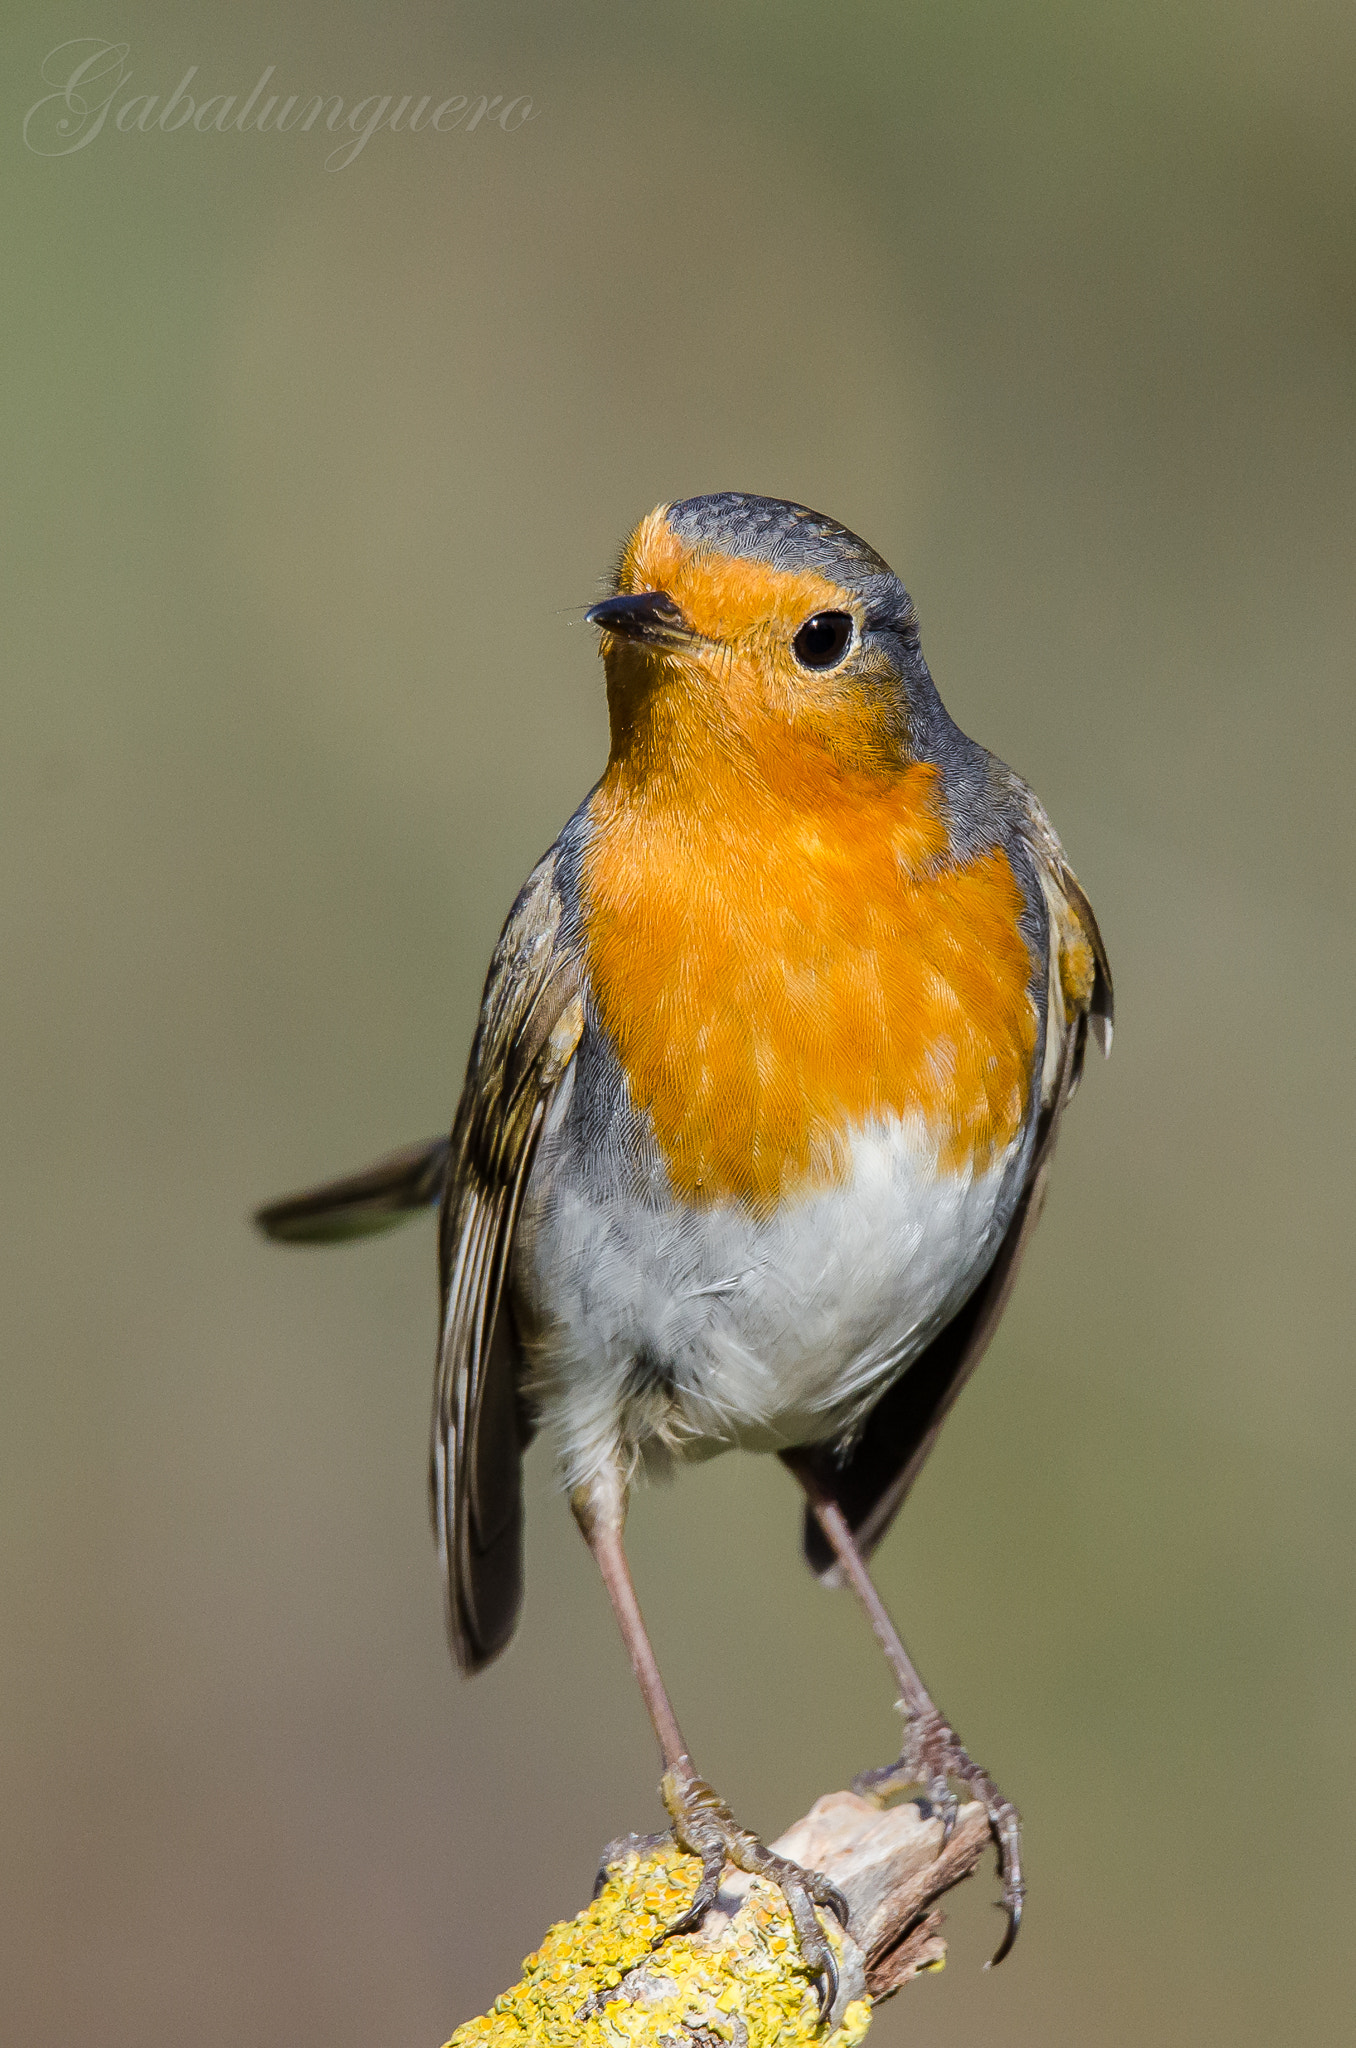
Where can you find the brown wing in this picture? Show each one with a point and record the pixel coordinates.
(871, 1483)
(530, 1023)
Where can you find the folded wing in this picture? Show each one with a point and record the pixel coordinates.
(530, 1023)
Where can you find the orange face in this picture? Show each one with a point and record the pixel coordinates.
(780, 946)
(739, 680)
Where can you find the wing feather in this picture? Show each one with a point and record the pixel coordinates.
(531, 1021)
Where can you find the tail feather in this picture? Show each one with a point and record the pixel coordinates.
(362, 1203)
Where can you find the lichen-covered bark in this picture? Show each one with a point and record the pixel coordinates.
(599, 1981)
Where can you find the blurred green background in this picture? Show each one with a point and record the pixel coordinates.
(309, 473)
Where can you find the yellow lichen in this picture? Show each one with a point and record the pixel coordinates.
(596, 1981)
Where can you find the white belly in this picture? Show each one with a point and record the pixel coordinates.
(660, 1330)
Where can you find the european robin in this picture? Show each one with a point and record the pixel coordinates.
(759, 1112)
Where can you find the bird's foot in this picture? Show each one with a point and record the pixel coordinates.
(705, 1827)
(931, 1758)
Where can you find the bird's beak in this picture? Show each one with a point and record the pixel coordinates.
(649, 616)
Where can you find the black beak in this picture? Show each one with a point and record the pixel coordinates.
(650, 616)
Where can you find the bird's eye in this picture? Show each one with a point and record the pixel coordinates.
(823, 640)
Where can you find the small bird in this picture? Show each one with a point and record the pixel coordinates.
(759, 1112)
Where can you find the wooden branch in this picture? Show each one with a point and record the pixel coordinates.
(598, 1980)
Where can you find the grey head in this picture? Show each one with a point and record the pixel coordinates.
(787, 536)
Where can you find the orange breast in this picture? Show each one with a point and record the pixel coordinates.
(773, 973)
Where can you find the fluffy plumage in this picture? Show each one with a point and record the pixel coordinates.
(834, 972)
(771, 1060)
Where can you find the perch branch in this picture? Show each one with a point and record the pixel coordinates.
(599, 1981)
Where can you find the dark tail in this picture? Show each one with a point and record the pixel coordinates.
(363, 1203)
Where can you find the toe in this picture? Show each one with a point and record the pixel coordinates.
(881, 1784)
(945, 1806)
(1006, 1829)
(703, 1899)
(815, 1948)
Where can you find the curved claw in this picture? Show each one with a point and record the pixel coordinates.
(1013, 1908)
(826, 1985)
(825, 1893)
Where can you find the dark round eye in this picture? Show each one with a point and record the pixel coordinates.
(823, 640)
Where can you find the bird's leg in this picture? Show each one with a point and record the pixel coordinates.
(932, 1753)
(702, 1824)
